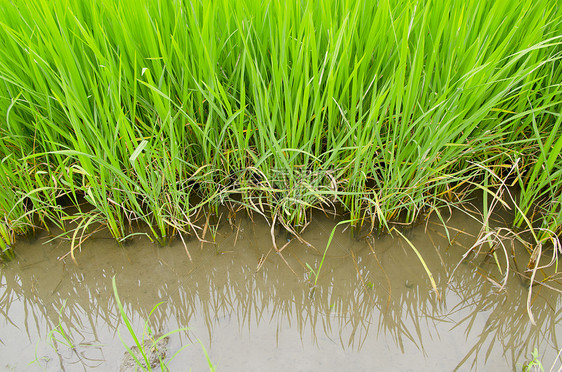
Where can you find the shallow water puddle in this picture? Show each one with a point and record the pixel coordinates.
(373, 308)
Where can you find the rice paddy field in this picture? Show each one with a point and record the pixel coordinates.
(156, 114)
(373, 307)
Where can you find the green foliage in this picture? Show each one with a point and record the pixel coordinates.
(150, 342)
(152, 110)
(534, 364)
(6, 240)
(58, 335)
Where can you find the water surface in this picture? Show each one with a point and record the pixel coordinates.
(252, 309)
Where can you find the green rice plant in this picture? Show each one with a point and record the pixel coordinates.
(209, 363)
(56, 337)
(151, 111)
(543, 178)
(534, 364)
(59, 335)
(16, 219)
(6, 240)
(150, 352)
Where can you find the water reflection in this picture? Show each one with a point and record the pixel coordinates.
(373, 306)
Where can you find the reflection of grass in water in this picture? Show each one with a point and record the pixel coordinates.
(339, 305)
(61, 340)
(57, 335)
(506, 325)
(153, 352)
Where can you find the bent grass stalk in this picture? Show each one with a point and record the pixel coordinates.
(429, 274)
(316, 273)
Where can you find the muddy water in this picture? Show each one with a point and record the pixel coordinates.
(252, 309)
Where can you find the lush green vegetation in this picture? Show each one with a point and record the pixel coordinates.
(150, 111)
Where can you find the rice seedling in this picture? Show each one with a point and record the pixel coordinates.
(58, 335)
(534, 364)
(152, 111)
(148, 353)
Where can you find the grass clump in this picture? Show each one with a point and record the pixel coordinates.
(147, 112)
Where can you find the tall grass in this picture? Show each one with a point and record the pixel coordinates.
(151, 110)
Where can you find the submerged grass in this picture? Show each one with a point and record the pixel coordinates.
(150, 111)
